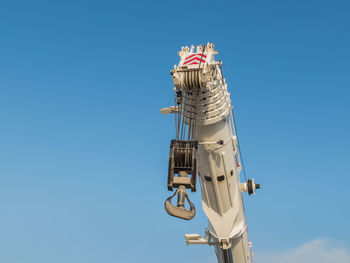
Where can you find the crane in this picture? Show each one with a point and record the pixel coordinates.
(206, 146)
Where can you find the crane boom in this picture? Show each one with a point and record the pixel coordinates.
(206, 146)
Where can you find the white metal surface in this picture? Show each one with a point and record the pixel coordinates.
(210, 111)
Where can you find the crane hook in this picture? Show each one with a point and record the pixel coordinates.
(180, 211)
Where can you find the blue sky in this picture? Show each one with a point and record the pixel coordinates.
(83, 148)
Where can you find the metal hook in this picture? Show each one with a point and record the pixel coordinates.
(180, 211)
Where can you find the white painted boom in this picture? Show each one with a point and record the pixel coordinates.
(204, 118)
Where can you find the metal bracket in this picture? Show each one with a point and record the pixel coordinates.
(170, 110)
(196, 239)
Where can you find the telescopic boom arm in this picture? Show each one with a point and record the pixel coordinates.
(206, 145)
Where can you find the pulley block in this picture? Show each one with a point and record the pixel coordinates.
(182, 159)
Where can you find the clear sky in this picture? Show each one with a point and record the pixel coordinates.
(83, 148)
